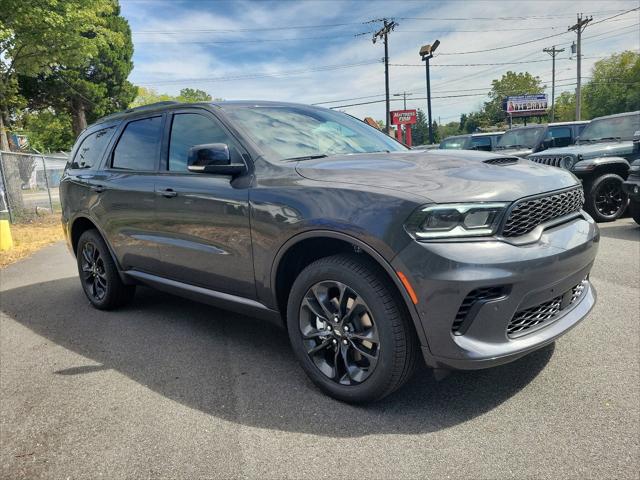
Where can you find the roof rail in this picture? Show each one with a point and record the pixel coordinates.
(151, 105)
(136, 109)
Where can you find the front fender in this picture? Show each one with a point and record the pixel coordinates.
(589, 165)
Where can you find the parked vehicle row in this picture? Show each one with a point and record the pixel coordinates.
(370, 254)
(598, 152)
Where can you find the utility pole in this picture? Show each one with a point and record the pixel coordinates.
(579, 27)
(383, 34)
(404, 95)
(553, 51)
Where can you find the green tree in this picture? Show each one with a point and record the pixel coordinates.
(189, 95)
(510, 83)
(614, 86)
(39, 36)
(565, 107)
(420, 130)
(449, 129)
(48, 131)
(96, 87)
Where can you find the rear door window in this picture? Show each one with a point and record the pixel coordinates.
(139, 145)
(481, 143)
(560, 136)
(92, 148)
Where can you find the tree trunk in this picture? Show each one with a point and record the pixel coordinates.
(79, 115)
(10, 173)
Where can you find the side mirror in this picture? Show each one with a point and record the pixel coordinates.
(636, 140)
(213, 158)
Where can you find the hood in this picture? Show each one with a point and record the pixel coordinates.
(593, 150)
(518, 152)
(451, 176)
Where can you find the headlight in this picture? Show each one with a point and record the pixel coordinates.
(455, 220)
(568, 162)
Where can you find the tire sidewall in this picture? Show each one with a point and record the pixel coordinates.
(381, 377)
(592, 188)
(93, 237)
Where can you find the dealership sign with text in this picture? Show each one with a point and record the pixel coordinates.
(526, 105)
(403, 117)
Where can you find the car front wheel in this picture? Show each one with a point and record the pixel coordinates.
(605, 199)
(349, 331)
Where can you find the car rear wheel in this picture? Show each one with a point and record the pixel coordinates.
(605, 200)
(98, 273)
(349, 331)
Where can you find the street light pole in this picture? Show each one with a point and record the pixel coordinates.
(426, 52)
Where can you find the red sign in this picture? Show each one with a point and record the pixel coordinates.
(403, 117)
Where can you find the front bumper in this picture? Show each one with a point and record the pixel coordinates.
(444, 273)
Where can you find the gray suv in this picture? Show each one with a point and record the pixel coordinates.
(369, 253)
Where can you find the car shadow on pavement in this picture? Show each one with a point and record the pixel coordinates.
(242, 369)
(620, 231)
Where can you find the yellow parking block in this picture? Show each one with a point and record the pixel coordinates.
(6, 242)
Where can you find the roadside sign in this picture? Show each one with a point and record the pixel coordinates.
(526, 105)
(403, 117)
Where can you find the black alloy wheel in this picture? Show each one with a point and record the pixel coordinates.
(339, 332)
(349, 328)
(93, 272)
(606, 201)
(99, 274)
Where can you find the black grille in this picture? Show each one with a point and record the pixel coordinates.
(501, 161)
(487, 293)
(545, 313)
(528, 214)
(553, 160)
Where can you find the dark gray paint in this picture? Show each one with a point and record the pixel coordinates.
(222, 239)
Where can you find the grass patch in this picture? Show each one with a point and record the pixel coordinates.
(31, 236)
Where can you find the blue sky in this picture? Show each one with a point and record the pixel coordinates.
(310, 51)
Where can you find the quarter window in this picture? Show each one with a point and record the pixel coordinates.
(481, 143)
(92, 148)
(189, 129)
(137, 148)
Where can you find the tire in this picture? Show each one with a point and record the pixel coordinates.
(634, 209)
(371, 312)
(605, 200)
(99, 275)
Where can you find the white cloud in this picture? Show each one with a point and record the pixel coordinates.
(168, 61)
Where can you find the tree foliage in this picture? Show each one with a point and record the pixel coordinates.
(147, 96)
(614, 86)
(510, 83)
(48, 131)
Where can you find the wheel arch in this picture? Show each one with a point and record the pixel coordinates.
(595, 167)
(304, 248)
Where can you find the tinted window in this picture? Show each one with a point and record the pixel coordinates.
(288, 132)
(481, 143)
(137, 148)
(189, 129)
(455, 143)
(92, 149)
(559, 136)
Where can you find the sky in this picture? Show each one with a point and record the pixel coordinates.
(322, 51)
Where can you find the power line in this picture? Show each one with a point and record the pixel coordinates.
(524, 17)
(256, 40)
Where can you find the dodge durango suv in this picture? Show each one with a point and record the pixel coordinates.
(368, 253)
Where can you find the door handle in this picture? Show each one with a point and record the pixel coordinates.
(98, 188)
(168, 193)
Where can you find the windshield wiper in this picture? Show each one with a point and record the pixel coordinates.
(305, 157)
(606, 138)
(504, 147)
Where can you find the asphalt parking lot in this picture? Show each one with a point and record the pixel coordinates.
(168, 388)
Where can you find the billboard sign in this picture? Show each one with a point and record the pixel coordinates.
(403, 117)
(526, 105)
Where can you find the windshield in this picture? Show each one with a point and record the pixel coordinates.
(299, 132)
(454, 143)
(521, 137)
(613, 128)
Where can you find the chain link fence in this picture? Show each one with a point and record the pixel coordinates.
(29, 184)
